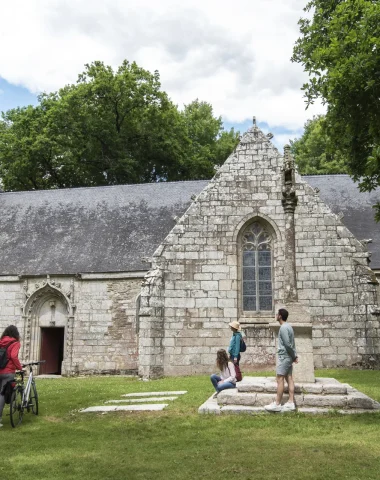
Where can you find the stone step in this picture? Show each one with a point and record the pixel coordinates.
(352, 400)
(211, 406)
(239, 409)
(322, 386)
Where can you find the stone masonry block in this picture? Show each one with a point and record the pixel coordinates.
(206, 302)
(330, 401)
(209, 285)
(359, 400)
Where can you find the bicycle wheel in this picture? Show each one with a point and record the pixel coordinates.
(33, 399)
(17, 409)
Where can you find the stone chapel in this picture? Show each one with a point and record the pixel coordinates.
(146, 278)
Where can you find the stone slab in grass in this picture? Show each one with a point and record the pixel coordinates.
(152, 394)
(142, 400)
(126, 408)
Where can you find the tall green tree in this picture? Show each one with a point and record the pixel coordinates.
(210, 144)
(313, 152)
(340, 49)
(111, 127)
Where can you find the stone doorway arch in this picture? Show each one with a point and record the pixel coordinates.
(48, 307)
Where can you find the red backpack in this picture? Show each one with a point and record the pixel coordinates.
(239, 376)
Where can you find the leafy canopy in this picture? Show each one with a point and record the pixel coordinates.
(340, 49)
(312, 152)
(111, 127)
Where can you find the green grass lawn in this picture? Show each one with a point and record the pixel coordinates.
(177, 443)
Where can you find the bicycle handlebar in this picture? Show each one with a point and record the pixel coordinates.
(33, 363)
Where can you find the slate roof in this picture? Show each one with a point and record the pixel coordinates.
(99, 229)
(343, 195)
(110, 229)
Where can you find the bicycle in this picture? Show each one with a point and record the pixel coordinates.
(24, 397)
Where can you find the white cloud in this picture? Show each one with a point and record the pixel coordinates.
(236, 55)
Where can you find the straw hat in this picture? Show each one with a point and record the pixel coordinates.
(235, 325)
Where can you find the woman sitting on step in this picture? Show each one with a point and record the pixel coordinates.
(227, 377)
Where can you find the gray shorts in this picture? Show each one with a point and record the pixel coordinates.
(284, 366)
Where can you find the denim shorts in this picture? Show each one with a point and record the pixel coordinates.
(284, 366)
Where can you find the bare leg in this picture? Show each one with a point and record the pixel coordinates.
(280, 388)
(290, 382)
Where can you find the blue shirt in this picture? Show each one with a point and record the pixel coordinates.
(234, 347)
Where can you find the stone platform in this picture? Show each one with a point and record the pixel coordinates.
(323, 396)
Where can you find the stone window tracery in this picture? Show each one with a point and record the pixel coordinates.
(257, 291)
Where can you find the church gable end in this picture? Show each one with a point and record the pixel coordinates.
(201, 282)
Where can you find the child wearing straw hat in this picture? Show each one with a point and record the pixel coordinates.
(234, 347)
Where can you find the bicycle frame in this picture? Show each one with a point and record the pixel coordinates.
(27, 388)
(24, 397)
(26, 393)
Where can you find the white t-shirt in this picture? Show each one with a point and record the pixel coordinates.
(229, 374)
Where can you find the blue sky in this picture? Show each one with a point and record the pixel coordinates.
(12, 96)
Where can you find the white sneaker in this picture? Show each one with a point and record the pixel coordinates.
(273, 407)
(289, 407)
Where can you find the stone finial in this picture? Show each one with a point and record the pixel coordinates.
(289, 160)
(289, 198)
(270, 135)
(254, 121)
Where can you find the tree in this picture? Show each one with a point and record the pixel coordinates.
(210, 144)
(28, 157)
(339, 48)
(313, 152)
(111, 127)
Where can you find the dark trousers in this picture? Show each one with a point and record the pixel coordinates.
(238, 359)
(4, 378)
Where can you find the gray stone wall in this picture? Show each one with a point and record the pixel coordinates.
(99, 317)
(335, 283)
(198, 267)
(105, 336)
(11, 300)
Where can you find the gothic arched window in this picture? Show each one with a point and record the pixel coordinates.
(256, 256)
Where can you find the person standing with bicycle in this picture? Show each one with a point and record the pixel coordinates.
(10, 340)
